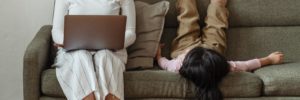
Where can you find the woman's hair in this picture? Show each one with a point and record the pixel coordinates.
(206, 69)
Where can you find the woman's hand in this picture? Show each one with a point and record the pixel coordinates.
(58, 45)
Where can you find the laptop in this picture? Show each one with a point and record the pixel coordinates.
(94, 32)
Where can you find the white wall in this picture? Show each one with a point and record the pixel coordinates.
(19, 22)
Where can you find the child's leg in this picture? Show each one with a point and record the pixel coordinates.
(189, 30)
(214, 36)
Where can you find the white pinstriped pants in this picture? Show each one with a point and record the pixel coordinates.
(80, 73)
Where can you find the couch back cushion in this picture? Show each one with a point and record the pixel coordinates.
(246, 13)
(264, 13)
(257, 27)
(252, 42)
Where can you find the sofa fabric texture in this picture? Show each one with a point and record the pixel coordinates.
(281, 80)
(142, 84)
(257, 27)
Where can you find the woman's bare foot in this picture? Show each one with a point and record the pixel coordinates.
(111, 97)
(90, 97)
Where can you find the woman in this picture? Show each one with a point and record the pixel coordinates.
(88, 75)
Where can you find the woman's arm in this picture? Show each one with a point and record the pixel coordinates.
(128, 9)
(250, 65)
(60, 10)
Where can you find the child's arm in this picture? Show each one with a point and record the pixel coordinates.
(169, 65)
(250, 65)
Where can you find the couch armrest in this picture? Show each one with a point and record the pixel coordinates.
(36, 59)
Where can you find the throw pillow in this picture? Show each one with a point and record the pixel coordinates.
(150, 21)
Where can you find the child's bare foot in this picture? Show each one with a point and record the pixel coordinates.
(276, 57)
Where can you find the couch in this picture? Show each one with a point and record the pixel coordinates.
(257, 27)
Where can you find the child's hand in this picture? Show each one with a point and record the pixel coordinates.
(158, 52)
(276, 57)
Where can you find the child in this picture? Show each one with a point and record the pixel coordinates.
(198, 57)
(206, 68)
(176, 64)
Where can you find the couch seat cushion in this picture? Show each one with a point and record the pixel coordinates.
(241, 84)
(281, 80)
(50, 85)
(163, 84)
(237, 85)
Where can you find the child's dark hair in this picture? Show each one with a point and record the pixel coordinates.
(206, 69)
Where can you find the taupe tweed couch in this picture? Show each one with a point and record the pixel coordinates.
(257, 27)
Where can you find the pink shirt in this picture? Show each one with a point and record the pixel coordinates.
(236, 66)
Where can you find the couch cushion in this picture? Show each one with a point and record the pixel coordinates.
(241, 84)
(264, 12)
(154, 84)
(51, 98)
(281, 80)
(150, 21)
(163, 84)
(247, 12)
(50, 85)
(251, 42)
(237, 85)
